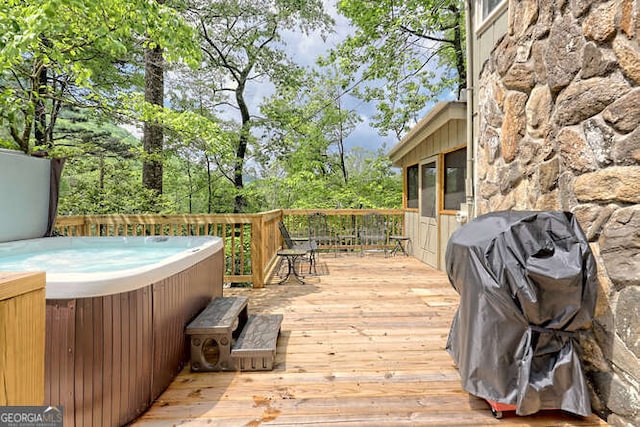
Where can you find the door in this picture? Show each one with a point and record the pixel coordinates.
(429, 211)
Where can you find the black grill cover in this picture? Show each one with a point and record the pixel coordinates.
(527, 283)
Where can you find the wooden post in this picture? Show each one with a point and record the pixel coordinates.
(257, 251)
(86, 227)
(22, 339)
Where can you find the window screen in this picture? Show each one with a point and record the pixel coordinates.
(455, 171)
(428, 190)
(412, 187)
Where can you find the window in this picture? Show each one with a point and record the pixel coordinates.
(412, 187)
(489, 6)
(429, 174)
(455, 171)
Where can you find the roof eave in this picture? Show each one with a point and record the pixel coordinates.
(437, 117)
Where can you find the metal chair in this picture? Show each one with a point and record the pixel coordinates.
(308, 245)
(373, 233)
(320, 232)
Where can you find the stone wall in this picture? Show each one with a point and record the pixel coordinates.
(559, 116)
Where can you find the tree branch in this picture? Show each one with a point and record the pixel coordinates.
(425, 36)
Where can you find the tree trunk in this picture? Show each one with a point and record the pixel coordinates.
(190, 179)
(40, 112)
(459, 49)
(152, 132)
(209, 185)
(343, 166)
(238, 168)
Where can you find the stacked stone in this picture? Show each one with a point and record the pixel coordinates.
(559, 116)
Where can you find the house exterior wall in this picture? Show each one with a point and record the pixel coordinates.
(486, 36)
(449, 136)
(558, 128)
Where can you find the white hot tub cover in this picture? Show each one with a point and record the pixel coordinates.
(527, 283)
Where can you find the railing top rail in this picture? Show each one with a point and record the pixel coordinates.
(164, 219)
(209, 218)
(343, 211)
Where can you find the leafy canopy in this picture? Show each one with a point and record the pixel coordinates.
(82, 53)
(403, 55)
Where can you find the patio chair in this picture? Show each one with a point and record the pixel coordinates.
(373, 233)
(308, 245)
(320, 232)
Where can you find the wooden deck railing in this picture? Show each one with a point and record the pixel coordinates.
(251, 240)
(344, 224)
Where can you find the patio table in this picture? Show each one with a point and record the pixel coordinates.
(292, 255)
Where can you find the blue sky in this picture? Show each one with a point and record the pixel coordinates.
(304, 50)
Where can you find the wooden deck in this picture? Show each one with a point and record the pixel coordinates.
(362, 344)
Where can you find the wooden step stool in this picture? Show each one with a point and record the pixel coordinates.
(255, 349)
(213, 333)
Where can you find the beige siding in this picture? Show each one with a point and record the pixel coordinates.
(442, 130)
(448, 225)
(484, 43)
(412, 229)
(447, 137)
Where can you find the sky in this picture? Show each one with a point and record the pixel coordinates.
(304, 50)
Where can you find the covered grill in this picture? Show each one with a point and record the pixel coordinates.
(527, 283)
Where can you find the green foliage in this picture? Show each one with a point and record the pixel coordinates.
(114, 187)
(242, 44)
(101, 174)
(373, 183)
(403, 55)
(306, 164)
(71, 70)
(60, 53)
(187, 185)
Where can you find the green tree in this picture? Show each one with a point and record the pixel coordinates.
(307, 126)
(192, 187)
(373, 183)
(307, 164)
(60, 53)
(102, 172)
(153, 135)
(403, 55)
(243, 47)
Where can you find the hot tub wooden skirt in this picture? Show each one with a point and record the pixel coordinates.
(107, 358)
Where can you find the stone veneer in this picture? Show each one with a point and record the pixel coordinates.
(559, 129)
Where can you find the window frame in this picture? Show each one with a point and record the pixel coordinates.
(435, 160)
(417, 189)
(442, 185)
(483, 22)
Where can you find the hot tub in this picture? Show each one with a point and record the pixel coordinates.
(115, 329)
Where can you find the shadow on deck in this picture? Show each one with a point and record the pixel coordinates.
(361, 344)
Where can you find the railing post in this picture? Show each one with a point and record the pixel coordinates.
(257, 251)
(86, 227)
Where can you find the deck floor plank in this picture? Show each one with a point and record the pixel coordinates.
(363, 345)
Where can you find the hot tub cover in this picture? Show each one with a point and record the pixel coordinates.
(527, 283)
